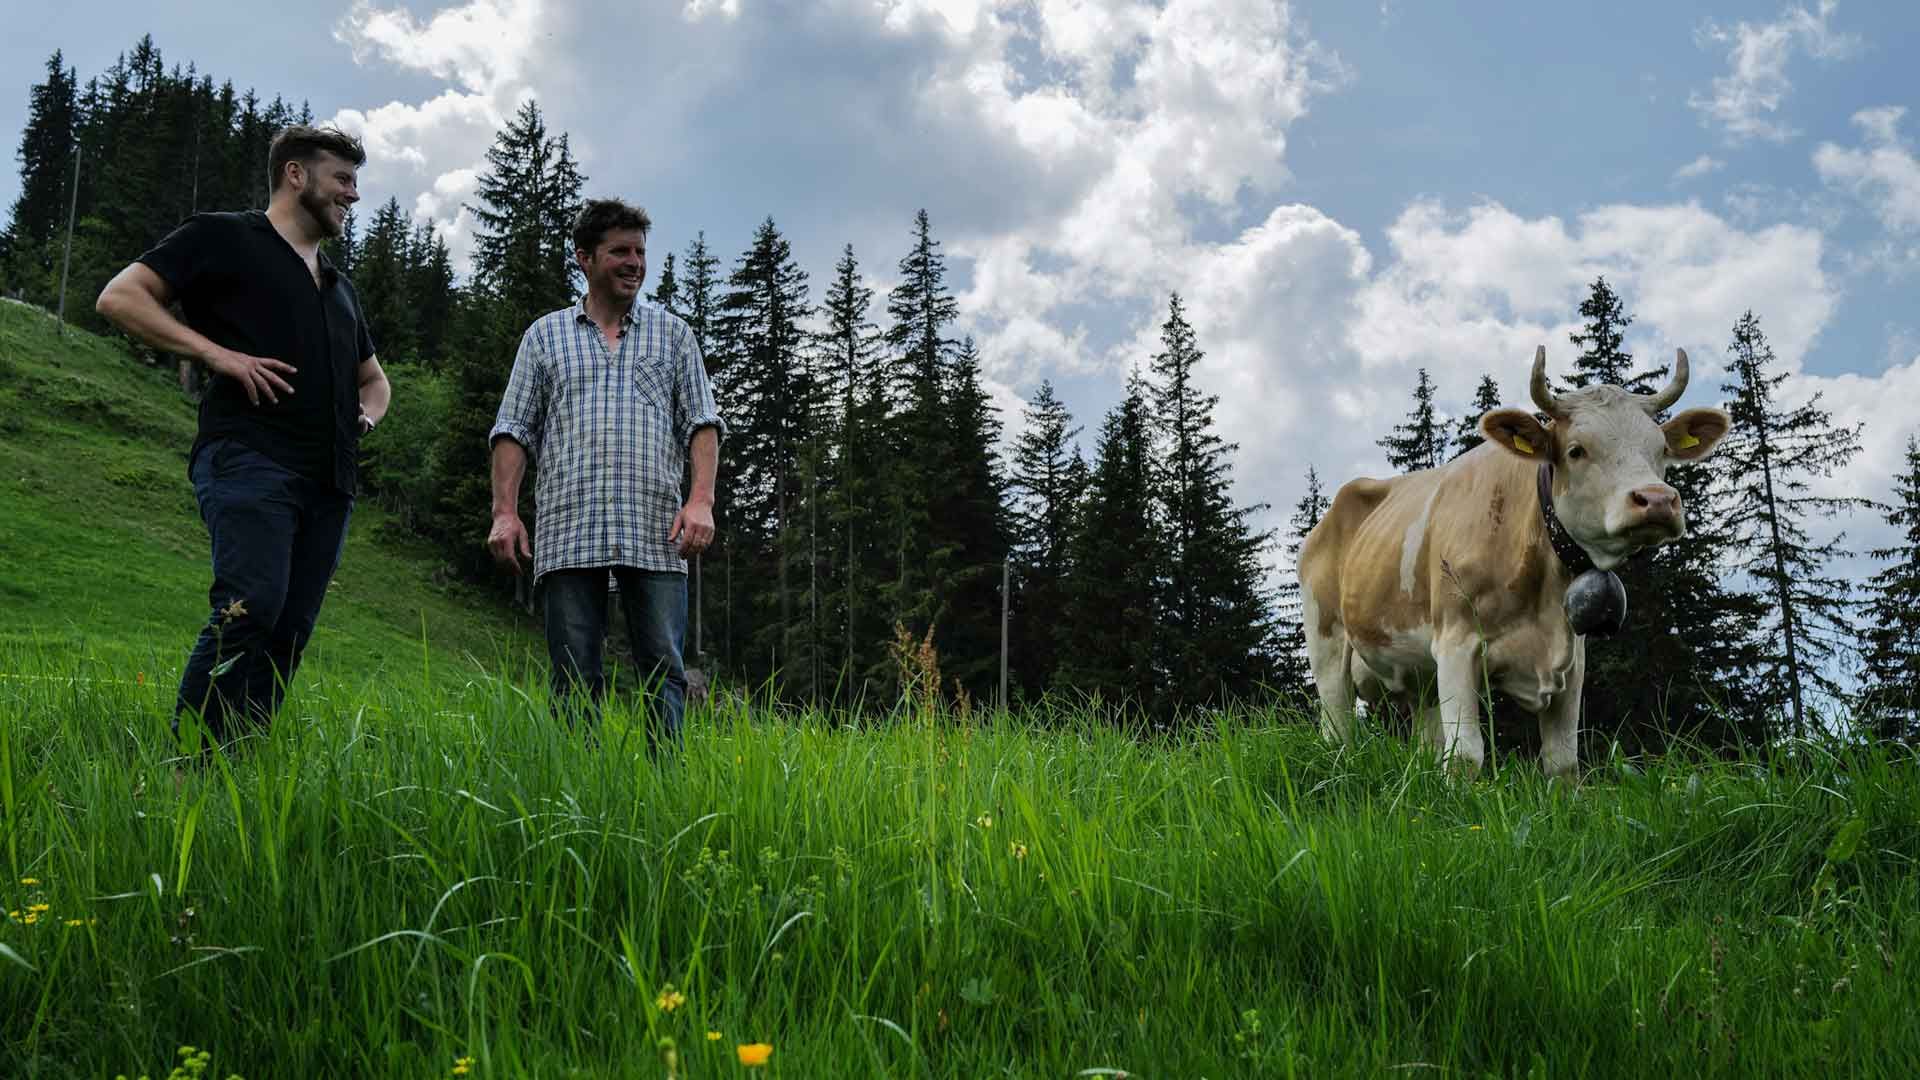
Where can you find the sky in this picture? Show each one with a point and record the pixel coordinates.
(1342, 192)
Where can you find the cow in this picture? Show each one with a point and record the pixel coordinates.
(1430, 587)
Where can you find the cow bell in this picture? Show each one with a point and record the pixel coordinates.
(1597, 604)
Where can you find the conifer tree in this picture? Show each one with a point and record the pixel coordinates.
(666, 290)
(922, 309)
(1114, 581)
(30, 248)
(1890, 668)
(381, 278)
(1466, 432)
(523, 268)
(1293, 675)
(1219, 628)
(1770, 456)
(853, 371)
(1047, 486)
(1420, 442)
(771, 402)
(1603, 358)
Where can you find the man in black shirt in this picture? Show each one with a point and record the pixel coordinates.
(295, 386)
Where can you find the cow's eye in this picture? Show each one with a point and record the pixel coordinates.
(1575, 453)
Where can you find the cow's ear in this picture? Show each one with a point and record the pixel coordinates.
(1520, 432)
(1693, 434)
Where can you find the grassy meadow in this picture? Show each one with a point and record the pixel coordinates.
(417, 875)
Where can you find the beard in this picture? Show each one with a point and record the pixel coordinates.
(321, 210)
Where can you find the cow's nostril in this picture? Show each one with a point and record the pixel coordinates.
(1640, 501)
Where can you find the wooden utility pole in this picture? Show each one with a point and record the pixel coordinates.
(67, 260)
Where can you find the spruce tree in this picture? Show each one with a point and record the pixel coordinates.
(430, 284)
(1048, 491)
(1890, 667)
(922, 309)
(1293, 675)
(30, 261)
(1466, 432)
(971, 545)
(1420, 442)
(381, 276)
(1770, 456)
(852, 368)
(771, 403)
(666, 289)
(1108, 629)
(1219, 627)
(1603, 358)
(523, 268)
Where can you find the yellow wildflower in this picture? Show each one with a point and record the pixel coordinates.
(713, 1036)
(985, 821)
(29, 881)
(31, 918)
(462, 1066)
(669, 999)
(1019, 850)
(36, 908)
(754, 1055)
(1473, 828)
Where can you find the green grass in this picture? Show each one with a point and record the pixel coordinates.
(405, 874)
(416, 867)
(102, 551)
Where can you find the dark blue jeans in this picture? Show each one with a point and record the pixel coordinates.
(276, 543)
(655, 603)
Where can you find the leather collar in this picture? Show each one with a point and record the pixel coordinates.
(1572, 555)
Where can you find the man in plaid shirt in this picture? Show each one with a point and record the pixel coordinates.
(610, 399)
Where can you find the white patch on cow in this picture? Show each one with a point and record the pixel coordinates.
(1415, 539)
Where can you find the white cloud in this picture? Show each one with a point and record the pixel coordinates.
(1884, 174)
(1745, 103)
(1698, 167)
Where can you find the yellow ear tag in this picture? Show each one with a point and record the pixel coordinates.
(1521, 444)
(1687, 441)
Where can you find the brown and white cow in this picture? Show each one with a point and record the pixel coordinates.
(1428, 587)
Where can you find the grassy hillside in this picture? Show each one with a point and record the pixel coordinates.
(407, 877)
(102, 552)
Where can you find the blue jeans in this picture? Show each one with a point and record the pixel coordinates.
(277, 538)
(574, 603)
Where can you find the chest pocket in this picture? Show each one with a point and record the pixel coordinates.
(652, 382)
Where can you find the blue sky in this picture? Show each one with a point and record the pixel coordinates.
(1344, 192)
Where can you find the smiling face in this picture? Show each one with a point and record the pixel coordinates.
(327, 186)
(617, 266)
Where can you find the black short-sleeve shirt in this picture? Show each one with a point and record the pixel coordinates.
(244, 287)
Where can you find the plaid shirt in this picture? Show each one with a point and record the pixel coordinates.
(608, 431)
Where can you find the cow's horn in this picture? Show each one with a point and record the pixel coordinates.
(1542, 393)
(1675, 386)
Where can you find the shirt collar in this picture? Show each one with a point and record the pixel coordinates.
(580, 312)
(328, 272)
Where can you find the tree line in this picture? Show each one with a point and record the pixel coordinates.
(866, 506)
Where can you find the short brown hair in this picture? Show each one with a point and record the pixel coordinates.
(305, 144)
(602, 216)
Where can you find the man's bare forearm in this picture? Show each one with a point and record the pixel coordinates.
(706, 462)
(129, 303)
(509, 466)
(376, 393)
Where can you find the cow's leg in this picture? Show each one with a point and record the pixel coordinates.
(1331, 657)
(1458, 685)
(1560, 722)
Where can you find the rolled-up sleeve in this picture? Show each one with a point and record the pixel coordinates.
(522, 414)
(693, 404)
